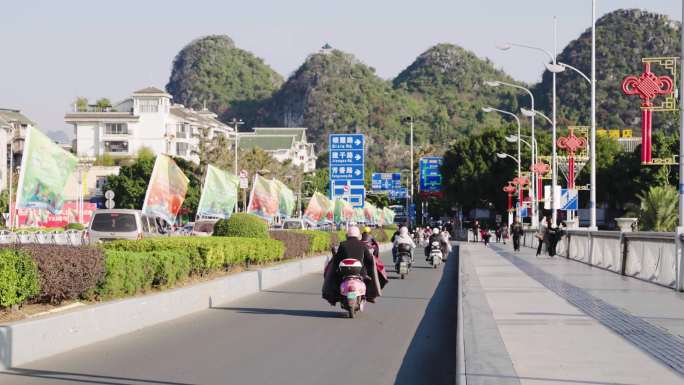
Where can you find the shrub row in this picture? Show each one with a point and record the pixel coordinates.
(320, 241)
(18, 277)
(296, 243)
(65, 272)
(134, 267)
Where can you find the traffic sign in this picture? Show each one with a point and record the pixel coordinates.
(430, 174)
(346, 158)
(109, 194)
(109, 204)
(400, 193)
(385, 181)
(569, 199)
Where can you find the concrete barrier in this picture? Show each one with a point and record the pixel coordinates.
(33, 339)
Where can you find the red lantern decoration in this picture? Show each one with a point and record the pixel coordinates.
(648, 85)
(540, 169)
(521, 182)
(509, 189)
(571, 144)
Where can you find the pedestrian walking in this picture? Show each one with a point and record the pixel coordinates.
(476, 230)
(497, 232)
(516, 232)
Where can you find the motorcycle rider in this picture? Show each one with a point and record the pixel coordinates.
(354, 248)
(436, 236)
(374, 247)
(404, 239)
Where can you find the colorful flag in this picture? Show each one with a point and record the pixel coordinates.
(388, 215)
(369, 211)
(166, 190)
(286, 199)
(358, 215)
(219, 194)
(45, 169)
(263, 200)
(343, 211)
(318, 209)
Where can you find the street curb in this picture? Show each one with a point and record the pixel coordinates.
(461, 378)
(29, 340)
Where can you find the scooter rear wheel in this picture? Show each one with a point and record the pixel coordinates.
(352, 312)
(402, 276)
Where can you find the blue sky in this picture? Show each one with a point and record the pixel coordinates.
(54, 51)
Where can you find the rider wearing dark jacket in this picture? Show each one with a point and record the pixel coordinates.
(436, 236)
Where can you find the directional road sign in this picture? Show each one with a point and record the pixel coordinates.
(568, 199)
(430, 174)
(385, 181)
(346, 160)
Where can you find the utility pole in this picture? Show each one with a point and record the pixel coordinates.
(680, 228)
(236, 123)
(592, 155)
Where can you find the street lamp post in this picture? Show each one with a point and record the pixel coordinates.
(410, 120)
(592, 155)
(236, 123)
(496, 83)
(517, 120)
(554, 68)
(680, 229)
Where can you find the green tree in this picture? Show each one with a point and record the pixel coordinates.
(103, 103)
(658, 209)
(81, 104)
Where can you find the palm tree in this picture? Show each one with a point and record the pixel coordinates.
(658, 208)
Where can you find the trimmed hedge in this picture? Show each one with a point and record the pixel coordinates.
(242, 225)
(74, 226)
(297, 244)
(134, 267)
(18, 277)
(65, 272)
(320, 241)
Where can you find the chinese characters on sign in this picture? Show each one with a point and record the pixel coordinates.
(346, 160)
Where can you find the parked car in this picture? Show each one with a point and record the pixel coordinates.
(204, 227)
(114, 224)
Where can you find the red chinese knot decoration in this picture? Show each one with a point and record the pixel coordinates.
(648, 86)
(540, 169)
(571, 144)
(509, 189)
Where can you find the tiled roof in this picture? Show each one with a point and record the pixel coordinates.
(150, 90)
(10, 116)
(266, 142)
(197, 116)
(298, 132)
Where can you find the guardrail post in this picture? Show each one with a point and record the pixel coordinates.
(590, 252)
(679, 285)
(623, 248)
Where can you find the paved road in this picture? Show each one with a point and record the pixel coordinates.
(287, 335)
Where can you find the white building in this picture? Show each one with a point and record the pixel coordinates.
(283, 143)
(146, 119)
(13, 128)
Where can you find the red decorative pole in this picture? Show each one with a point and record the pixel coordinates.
(522, 182)
(509, 189)
(571, 143)
(648, 85)
(540, 169)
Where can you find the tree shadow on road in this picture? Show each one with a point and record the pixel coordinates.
(431, 356)
(288, 312)
(51, 376)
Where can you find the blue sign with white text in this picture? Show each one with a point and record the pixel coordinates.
(385, 181)
(346, 158)
(430, 174)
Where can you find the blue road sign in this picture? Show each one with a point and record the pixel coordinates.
(346, 158)
(385, 181)
(430, 174)
(400, 193)
(569, 199)
(412, 212)
(352, 191)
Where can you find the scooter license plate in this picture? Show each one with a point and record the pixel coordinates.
(351, 295)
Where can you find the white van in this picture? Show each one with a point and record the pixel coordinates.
(110, 225)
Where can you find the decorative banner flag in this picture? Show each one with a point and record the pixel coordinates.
(358, 215)
(219, 194)
(318, 208)
(286, 199)
(263, 200)
(166, 190)
(45, 169)
(343, 211)
(369, 211)
(388, 215)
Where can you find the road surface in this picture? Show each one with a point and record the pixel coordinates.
(287, 335)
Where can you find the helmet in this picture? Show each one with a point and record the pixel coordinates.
(366, 230)
(435, 231)
(353, 232)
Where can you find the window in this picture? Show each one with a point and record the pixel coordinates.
(182, 130)
(149, 105)
(116, 128)
(114, 222)
(116, 146)
(182, 149)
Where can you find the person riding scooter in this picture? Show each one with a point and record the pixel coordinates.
(372, 244)
(436, 236)
(404, 242)
(354, 248)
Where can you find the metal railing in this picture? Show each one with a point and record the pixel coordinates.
(648, 256)
(68, 237)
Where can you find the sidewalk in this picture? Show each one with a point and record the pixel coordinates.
(530, 320)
